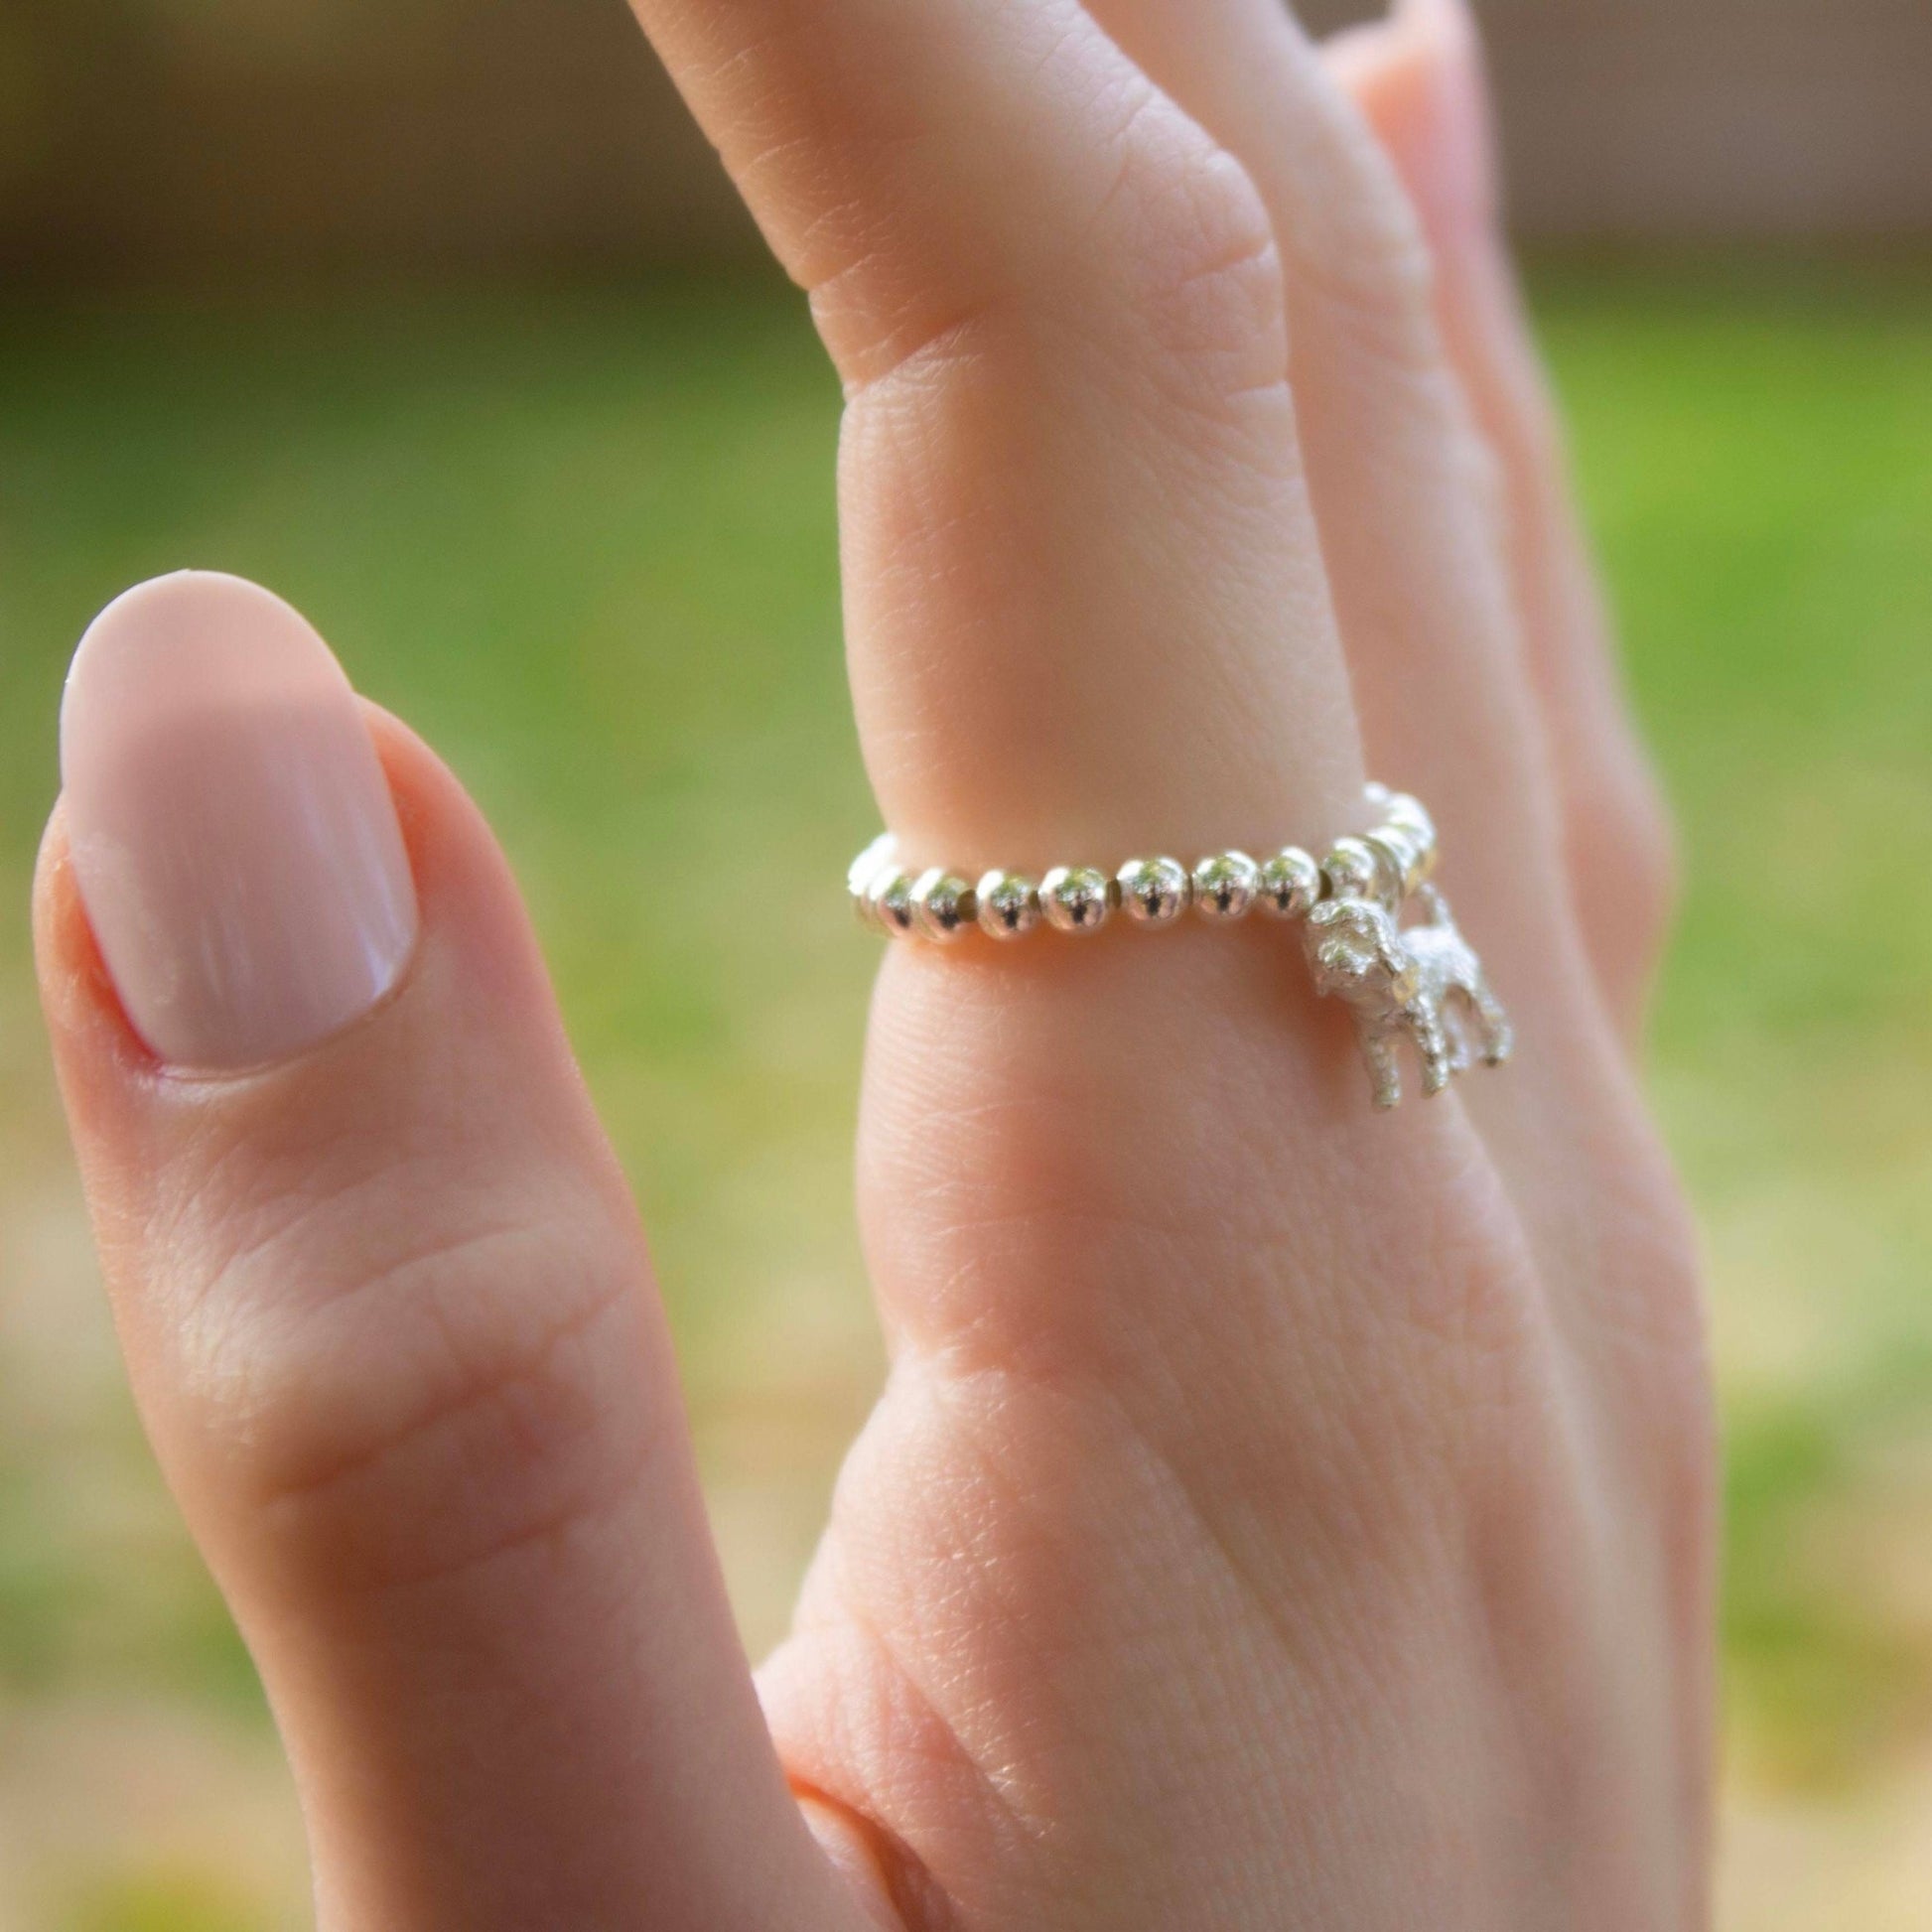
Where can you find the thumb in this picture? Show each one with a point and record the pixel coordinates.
(384, 1302)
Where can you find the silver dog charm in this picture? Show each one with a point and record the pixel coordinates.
(1426, 982)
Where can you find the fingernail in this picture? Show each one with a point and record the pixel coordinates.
(1445, 140)
(233, 837)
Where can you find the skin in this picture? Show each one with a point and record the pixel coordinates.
(1277, 1514)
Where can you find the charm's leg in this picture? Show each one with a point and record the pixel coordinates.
(1438, 1061)
(1378, 1053)
(1498, 1035)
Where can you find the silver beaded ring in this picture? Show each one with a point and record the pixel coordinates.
(1423, 983)
(941, 906)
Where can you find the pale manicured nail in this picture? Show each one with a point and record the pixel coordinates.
(233, 837)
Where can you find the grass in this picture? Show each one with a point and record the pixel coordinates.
(586, 544)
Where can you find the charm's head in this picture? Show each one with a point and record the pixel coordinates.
(1358, 955)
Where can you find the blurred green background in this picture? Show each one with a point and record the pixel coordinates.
(578, 528)
(636, 668)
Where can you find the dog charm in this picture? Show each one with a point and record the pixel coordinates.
(1424, 983)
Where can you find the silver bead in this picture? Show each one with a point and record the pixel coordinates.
(942, 906)
(1009, 905)
(1406, 817)
(1395, 856)
(1422, 835)
(1352, 870)
(1408, 812)
(1225, 884)
(869, 862)
(1407, 859)
(865, 869)
(1291, 883)
(889, 902)
(1155, 891)
(1076, 898)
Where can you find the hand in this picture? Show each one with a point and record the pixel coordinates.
(1277, 1514)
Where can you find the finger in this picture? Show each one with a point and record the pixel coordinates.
(1419, 79)
(1085, 606)
(383, 1301)
(1411, 535)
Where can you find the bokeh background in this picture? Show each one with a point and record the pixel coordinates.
(436, 316)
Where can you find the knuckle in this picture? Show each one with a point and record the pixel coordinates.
(1655, 1297)
(1686, 1433)
(880, 316)
(1372, 282)
(1150, 262)
(1624, 848)
(1360, 265)
(1174, 268)
(1656, 868)
(1662, 1324)
(1648, 1311)
(1691, 1491)
(412, 1408)
(1188, 240)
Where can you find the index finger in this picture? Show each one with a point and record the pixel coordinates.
(1085, 606)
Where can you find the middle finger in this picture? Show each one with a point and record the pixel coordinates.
(1407, 505)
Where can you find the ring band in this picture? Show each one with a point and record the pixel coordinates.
(942, 906)
(1423, 982)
